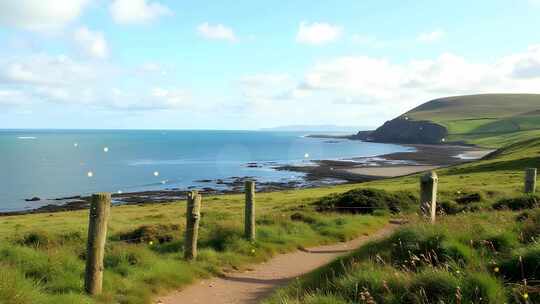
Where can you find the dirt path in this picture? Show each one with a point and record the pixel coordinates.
(258, 283)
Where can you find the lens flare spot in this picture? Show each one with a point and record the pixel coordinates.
(76, 145)
(156, 173)
(90, 174)
(106, 149)
(306, 155)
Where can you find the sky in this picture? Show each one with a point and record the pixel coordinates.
(143, 64)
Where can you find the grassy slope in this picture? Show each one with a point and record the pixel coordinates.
(465, 256)
(500, 175)
(41, 255)
(489, 120)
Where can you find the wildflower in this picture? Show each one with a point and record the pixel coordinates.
(496, 269)
(252, 250)
(151, 243)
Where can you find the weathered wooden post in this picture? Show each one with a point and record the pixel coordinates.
(97, 236)
(428, 194)
(193, 216)
(249, 214)
(530, 180)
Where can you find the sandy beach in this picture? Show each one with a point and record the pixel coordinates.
(424, 158)
(391, 171)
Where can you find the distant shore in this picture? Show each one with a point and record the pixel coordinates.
(424, 158)
(318, 173)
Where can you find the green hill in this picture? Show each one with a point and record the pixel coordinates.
(491, 120)
(478, 252)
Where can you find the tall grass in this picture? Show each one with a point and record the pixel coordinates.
(46, 264)
(473, 258)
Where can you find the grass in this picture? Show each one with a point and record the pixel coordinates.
(489, 120)
(42, 255)
(470, 258)
(487, 252)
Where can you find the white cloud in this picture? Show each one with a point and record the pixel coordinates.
(525, 65)
(37, 79)
(91, 43)
(217, 32)
(12, 97)
(46, 70)
(39, 15)
(351, 89)
(265, 87)
(318, 33)
(431, 36)
(369, 40)
(154, 98)
(137, 11)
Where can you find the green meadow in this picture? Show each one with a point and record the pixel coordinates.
(42, 256)
(484, 247)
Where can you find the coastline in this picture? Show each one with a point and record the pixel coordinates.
(317, 174)
(362, 169)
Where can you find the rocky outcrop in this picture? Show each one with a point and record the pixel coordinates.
(404, 130)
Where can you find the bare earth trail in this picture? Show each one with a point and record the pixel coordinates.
(254, 285)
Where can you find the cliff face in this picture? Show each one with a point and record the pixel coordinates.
(403, 130)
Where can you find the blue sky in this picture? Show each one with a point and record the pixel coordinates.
(254, 64)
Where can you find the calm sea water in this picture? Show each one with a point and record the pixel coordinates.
(51, 163)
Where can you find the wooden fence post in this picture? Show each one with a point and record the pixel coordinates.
(249, 214)
(428, 194)
(193, 217)
(97, 236)
(530, 180)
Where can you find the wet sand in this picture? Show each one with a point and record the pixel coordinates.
(391, 171)
(425, 158)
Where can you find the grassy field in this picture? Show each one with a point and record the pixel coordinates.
(42, 256)
(469, 258)
(475, 254)
(490, 120)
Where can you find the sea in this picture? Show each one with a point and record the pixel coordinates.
(51, 164)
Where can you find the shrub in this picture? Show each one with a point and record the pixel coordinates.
(366, 201)
(448, 207)
(415, 247)
(326, 299)
(530, 231)
(221, 236)
(501, 242)
(523, 264)
(37, 239)
(433, 286)
(518, 203)
(482, 288)
(300, 217)
(470, 198)
(152, 233)
(123, 258)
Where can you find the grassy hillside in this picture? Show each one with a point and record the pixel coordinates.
(488, 119)
(42, 256)
(475, 254)
(469, 258)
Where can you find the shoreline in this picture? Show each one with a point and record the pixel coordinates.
(362, 169)
(318, 174)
